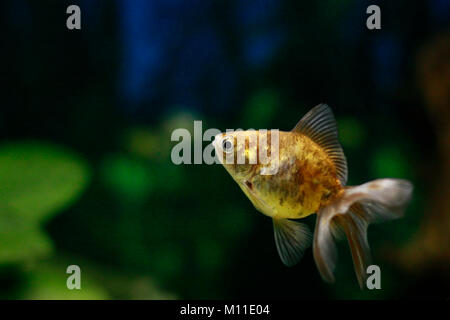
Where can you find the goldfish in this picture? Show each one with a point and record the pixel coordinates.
(310, 178)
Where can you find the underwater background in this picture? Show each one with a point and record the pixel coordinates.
(86, 118)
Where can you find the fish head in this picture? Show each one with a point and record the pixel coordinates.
(237, 151)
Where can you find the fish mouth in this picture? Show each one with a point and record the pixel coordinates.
(214, 142)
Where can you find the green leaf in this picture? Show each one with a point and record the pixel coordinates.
(37, 179)
(20, 239)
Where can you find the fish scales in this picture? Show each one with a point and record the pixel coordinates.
(306, 178)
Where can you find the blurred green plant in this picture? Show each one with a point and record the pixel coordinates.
(351, 132)
(47, 281)
(36, 181)
(391, 161)
(260, 109)
(127, 177)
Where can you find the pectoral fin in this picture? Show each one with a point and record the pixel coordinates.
(292, 239)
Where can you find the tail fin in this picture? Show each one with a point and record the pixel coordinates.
(375, 201)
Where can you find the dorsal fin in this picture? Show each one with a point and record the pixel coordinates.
(320, 126)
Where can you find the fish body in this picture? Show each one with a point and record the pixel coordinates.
(310, 177)
(305, 181)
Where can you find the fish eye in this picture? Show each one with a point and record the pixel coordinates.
(227, 145)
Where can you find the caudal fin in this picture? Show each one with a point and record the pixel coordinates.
(375, 201)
